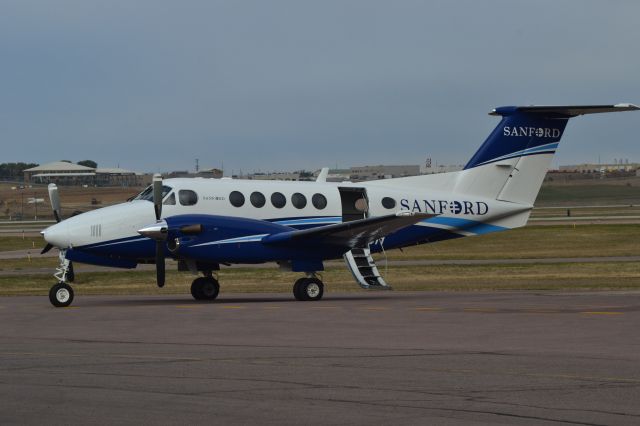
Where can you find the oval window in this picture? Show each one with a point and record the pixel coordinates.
(257, 199)
(388, 203)
(278, 200)
(187, 197)
(319, 201)
(298, 200)
(236, 199)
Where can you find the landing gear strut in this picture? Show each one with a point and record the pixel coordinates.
(309, 288)
(61, 294)
(205, 288)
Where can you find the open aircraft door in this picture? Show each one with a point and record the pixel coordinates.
(355, 205)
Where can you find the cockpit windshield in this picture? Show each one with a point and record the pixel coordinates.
(147, 194)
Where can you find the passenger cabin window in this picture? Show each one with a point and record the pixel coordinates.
(170, 200)
(278, 200)
(187, 197)
(257, 199)
(298, 200)
(388, 203)
(236, 199)
(319, 201)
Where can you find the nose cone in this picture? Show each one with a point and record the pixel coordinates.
(57, 235)
(157, 231)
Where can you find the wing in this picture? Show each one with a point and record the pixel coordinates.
(357, 233)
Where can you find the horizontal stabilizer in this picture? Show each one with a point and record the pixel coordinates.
(564, 110)
(357, 233)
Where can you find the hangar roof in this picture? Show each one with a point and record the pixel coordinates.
(59, 166)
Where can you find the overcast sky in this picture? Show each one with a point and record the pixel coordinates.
(152, 85)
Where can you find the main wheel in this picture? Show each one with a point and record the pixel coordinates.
(205, 288)
(311, 289)
(61, 295)
(296, 289)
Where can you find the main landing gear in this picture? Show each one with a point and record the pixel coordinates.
(61, 294)
(205, 288)
(309, 288)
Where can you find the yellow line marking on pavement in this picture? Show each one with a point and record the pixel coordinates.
(486, 310)
(188, 306)
(425, 309)
(601, 313)
(375, 308)
(232, 307)
(541, 311)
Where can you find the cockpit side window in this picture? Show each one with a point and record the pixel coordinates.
(147, 194)
(170, 200)
(187, 197)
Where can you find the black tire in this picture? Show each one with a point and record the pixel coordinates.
(311, 289)
(296, 289)
(195, 289)
(61, 295)
(205, 288)
(210, 288)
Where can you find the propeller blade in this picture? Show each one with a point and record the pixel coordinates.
(46, 248)
(55, 200)
(160, 267)
(157, 195)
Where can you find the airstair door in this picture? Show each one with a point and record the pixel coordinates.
(355, 206)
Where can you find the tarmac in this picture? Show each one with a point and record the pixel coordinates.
(357, 358)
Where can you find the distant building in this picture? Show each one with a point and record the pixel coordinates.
(600, 168)
(63, 173)
(208, 173)
(335, 175)
(275, 176)
(362, 173)
(440, 168)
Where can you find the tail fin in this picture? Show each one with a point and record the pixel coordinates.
(511, 164)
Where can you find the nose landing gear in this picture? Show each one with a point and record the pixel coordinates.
(61, 294)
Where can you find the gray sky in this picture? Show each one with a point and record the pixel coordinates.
(264, 85)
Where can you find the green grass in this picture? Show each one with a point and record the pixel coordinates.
(569, 195)
(533, 242)
(575, 276)
(18, 243)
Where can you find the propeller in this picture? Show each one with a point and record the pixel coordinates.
(54, 198)
(157, 207)
(55, 201)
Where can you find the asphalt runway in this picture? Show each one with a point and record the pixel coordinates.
(358, 358)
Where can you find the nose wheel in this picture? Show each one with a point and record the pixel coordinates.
(61, 295)
(308, 289)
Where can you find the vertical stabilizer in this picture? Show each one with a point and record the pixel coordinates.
(511, 164)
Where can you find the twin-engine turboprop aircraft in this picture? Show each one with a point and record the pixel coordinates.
(205, 223)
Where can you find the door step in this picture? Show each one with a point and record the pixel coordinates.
(364, 269)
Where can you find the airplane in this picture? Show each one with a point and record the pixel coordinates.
(205, 223)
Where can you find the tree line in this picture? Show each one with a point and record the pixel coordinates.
(14, 170)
